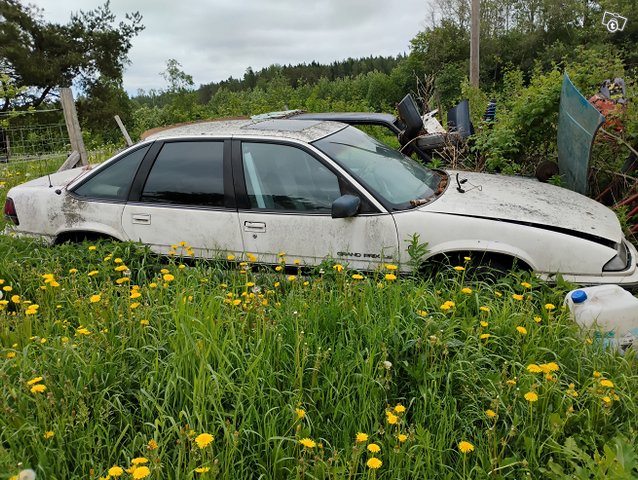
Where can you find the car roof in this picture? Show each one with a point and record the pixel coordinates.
(303, 130)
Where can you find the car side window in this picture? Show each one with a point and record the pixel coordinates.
(187, 173)
(114, 181)
(283, 177)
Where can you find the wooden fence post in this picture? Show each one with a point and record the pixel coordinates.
(73, 125)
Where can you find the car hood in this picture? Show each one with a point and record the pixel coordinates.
(527, 201)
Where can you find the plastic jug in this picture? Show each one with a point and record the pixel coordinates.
(610, 309)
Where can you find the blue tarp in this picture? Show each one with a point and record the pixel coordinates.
(578, 122)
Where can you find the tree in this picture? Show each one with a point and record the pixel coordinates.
(43, 55)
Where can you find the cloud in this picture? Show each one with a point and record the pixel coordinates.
(215, 39)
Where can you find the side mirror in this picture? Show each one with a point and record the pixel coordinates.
(345, 206)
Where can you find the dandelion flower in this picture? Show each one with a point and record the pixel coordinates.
(308, 443)
(92, 248)
(39, 388)
(11, 355)
(338, 267)
(202, 469)
(168, 277)
(115, 471)
(511, 382)
(139, 461)
(465, 447)
(531, 397)
(402, 437)
(230, 258)
(607, 383)
(596, 374)
(521, 330)
(484, 324)
(374, 463)
(606, 399)
(141, 472)
(534, 368)
(550, 367)
(374, 448)
(204, 439)
(93, 273)
(399, 408)
(152, 444)
(516, 296)
(7, 288)
(484, 309)
(292, 278)
(361, 437)
(35, 380)
(550, 306)
(48, 434)
(95, 298)
(301, 413)
(357, 276)
(490, 413)
(144, 322)
(390, 277)
(484, 336)
(537, 319)
(466, 290)
(459, 268)
(391, 418)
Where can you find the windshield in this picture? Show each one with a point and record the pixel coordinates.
(387, 173)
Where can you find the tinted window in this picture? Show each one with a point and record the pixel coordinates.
(114, 181)
(187, 173)
(282, 177)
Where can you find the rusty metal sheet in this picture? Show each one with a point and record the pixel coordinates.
(578, 122)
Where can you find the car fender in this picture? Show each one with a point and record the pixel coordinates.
(481, 246)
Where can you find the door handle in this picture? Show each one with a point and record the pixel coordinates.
(141, 218)
(256, 227)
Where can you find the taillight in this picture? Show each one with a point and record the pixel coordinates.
(10, 211)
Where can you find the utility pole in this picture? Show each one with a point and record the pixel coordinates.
(475, 33)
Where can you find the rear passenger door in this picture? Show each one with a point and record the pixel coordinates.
(184, 194)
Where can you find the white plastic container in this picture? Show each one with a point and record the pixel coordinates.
(608, 309)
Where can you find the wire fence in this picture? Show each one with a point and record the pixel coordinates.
(32, 142)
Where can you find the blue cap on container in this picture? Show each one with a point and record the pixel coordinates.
(579, 296)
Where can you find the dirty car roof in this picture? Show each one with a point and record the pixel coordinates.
(304, 130)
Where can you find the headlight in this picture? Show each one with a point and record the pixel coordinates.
(620, 261)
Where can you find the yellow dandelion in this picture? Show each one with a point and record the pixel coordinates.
(402, 437)
(95, 298)
(152, 444)
(466, 291)
(308, 443)
(39, 388)
(115, 471)
(230, 258)
(374, 448)
(168, 277)
(92, 248)
(399, 408)
(534, 368)
(301, 413)
(121, 268)
(390, 277)
(292, 278)
(521, 330)
(141, 472)
(11, 355)
(357, 276)
(93, 273)
(7, 288)
(48, 434)
(139, 461)
(135, 294)
(391, 267)
(465, 447)
(596, 374)
(606, 399)
(459, 268)
(338, 267)
(490, 413)
(531, 397)
(606, 383)
(122, 280)
(484, 309)
(550, 306)
(144, 322)
(537, 319)
(484, 324)
(361, 437)
(484, 336)
(391, 418)
(35, 380)
(550, 367)
(374, 463)
(526, 285)
(15, 298)
(204, 439)
(511, 382)
(202, 469)
(516, 296)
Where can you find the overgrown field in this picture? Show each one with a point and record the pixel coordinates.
(115, 363)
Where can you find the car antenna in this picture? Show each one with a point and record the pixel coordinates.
(50, 184)
(459, 188)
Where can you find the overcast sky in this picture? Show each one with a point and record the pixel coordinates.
(216, 39)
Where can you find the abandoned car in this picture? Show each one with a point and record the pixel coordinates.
(315, 190)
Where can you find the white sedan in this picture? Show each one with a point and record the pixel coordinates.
(317, 190)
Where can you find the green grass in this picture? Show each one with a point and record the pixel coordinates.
(233, 352)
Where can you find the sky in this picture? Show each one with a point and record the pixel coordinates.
(216, 39)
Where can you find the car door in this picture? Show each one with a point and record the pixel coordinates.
(184, 194)
(286, 207)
